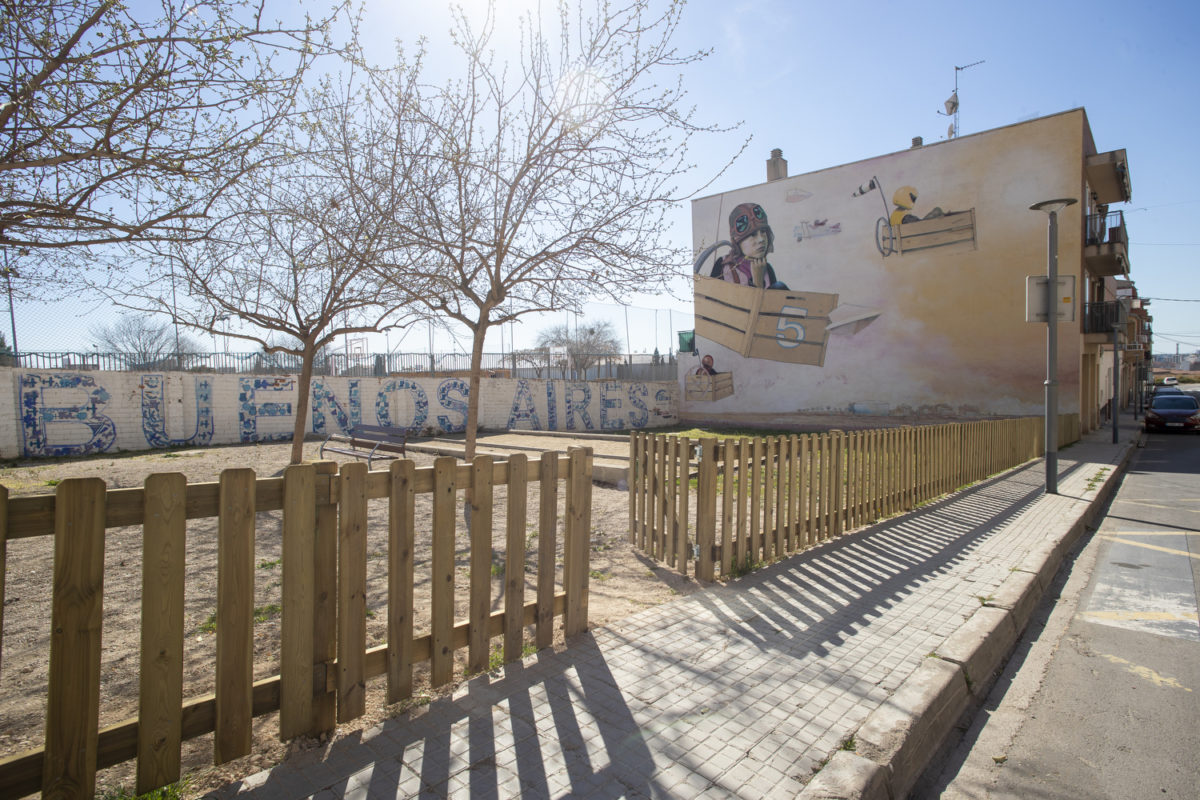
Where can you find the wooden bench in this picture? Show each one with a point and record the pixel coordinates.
(385, 442)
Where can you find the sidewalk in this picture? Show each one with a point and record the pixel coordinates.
(823, 663)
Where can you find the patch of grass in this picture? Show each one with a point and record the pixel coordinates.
(370, 614)
(170, 455)
(599, 575)
(269, 564)
(173, 791)
(209, 625)
(53, 482)
(264, 613)
(984, 599)
(849, 745)
(1096, 479)
(744, 568)
(496, 657)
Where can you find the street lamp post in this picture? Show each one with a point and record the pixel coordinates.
(1052, 207)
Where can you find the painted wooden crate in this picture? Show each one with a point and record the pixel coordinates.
(775, 324)
(709, 387)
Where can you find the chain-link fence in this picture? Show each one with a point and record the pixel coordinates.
(605, 366)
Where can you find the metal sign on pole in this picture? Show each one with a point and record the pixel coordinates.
(1036, 294)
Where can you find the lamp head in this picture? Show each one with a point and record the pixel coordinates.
(1052, 206)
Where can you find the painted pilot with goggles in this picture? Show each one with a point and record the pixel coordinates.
(752, 240)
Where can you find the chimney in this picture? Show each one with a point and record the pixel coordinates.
(776, 165)
(917, 141)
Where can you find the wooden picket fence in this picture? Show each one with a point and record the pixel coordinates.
(763, 498)
(324, 660)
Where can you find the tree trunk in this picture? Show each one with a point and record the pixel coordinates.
(299, 429)
(477, 336)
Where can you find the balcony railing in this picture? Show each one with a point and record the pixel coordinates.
(1106, 244)
(1102, 317)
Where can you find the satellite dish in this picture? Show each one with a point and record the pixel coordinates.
(950, 131)
(952, 103)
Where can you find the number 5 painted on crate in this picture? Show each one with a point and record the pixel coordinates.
(788, 322)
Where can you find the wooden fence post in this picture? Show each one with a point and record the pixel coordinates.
(578, 540)
(838, 441)
(441, 650)
(479, 603)
(706, 509)
(781, 498)
(3, 561)
(756, 470)
(401, 543)
(73, 697)
(727, 492)
(743, 479)
(514, 555)
(296, 656)
(548, 544)
(795, 487)
(235, 615)
(631, 483)
(324, 709)
(160, 689)
(671, 534)
(352, 592)
(683, 549)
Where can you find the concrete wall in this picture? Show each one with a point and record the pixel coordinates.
(56, 413)
(936, 326)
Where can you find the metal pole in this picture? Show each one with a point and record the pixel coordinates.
(12, 314)
(1052, 359)
(1116, 381)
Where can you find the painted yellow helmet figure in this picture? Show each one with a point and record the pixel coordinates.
(904, 199)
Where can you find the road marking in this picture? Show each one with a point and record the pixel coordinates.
(1146, 546)
(1125, 616)
(1150, 533)
(1145, 672)
(1173, 506)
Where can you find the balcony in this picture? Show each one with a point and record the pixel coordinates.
(1106, 245)
(1099, 319)
(1108, 177)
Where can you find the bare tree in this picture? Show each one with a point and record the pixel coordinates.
(122, 123)
(144, 342)
(586, 345)
(548, 182)
(290, 254)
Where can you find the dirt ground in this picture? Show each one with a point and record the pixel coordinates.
(622, 582)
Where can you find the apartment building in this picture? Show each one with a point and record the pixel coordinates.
(896, 285)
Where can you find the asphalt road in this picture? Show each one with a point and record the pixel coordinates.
(1102, 698)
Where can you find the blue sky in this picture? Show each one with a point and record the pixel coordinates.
(835, 82)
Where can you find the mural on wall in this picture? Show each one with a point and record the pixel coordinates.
(70, 414)
(924, 277)
(61, 415)
(904, 230)
(742, 304)
(154, 414)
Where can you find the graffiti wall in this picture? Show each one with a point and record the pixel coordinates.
(894, 285)
(74, 414)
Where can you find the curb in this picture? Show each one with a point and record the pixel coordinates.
(899, 740)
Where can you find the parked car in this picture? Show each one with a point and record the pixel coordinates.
(1173, 412)
(1170, 380)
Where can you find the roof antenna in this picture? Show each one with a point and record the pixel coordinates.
(951, 103)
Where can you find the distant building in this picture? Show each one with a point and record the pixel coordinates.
(897, 285)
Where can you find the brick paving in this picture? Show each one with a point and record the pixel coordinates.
(740, 691)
